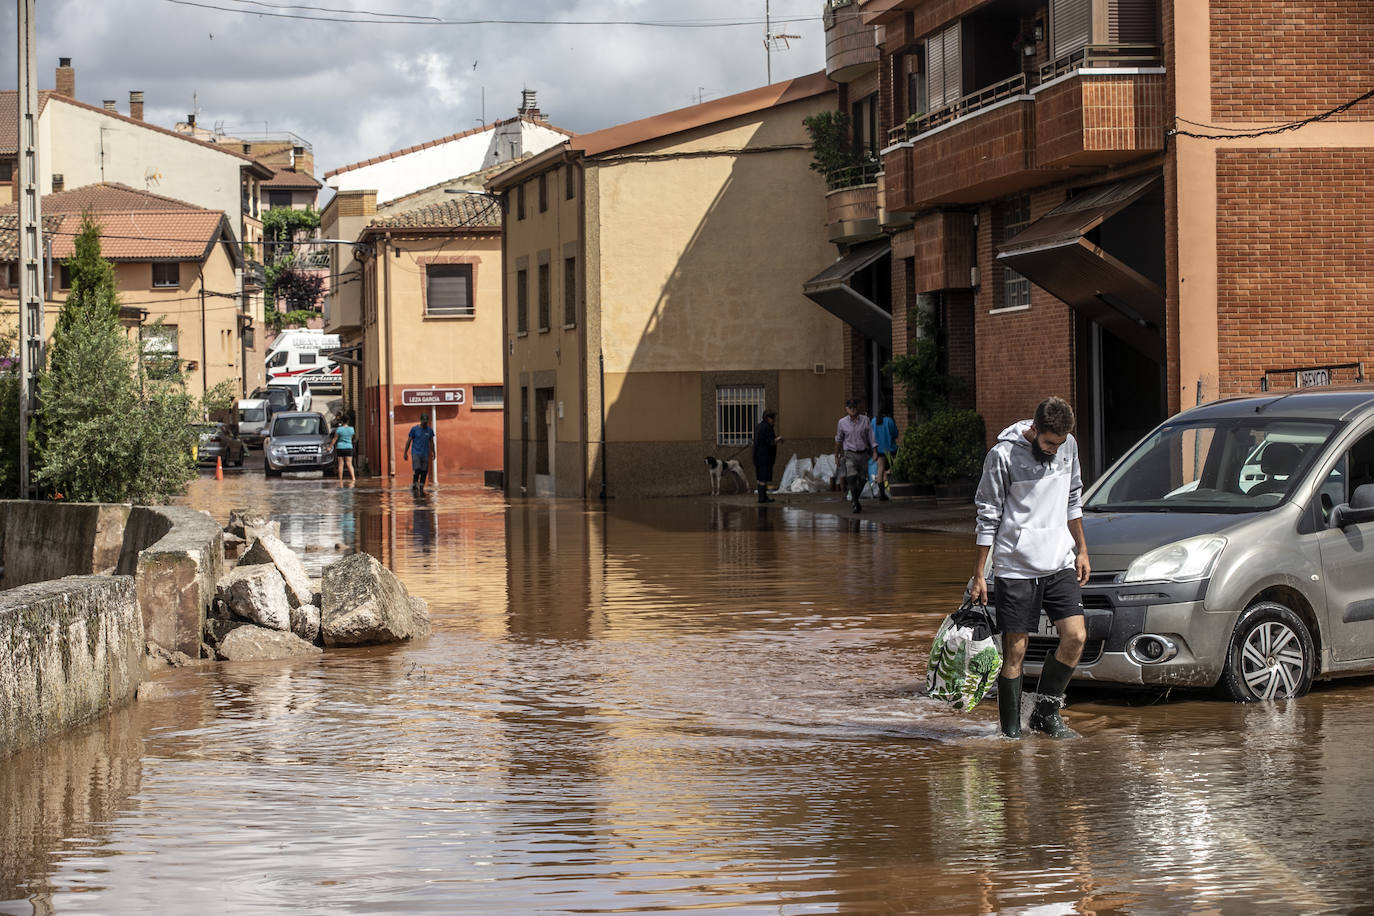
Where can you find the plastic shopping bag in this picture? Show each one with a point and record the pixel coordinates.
(965, 657)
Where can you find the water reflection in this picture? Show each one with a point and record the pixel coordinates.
(682, 704)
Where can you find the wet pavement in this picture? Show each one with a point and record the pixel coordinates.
(681, 704)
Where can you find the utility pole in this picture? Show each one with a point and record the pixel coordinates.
(30, 240)
(768, 38)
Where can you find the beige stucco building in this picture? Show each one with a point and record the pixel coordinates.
(653, 305)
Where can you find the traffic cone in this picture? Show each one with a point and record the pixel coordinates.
(219, 468)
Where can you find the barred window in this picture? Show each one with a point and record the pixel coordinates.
(544, 304)
(569, 292)
(738, 409)
(522, 301)
(488, 396)
(1016, 289)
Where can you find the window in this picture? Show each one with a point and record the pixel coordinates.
(307, 357)
(1070, 25)
(1016, 289)
(278, 359)
(6, 169)
(543, 192)
(522, 301)
(864, 127)
(520, 201)
(12, 274)
(160, 351)
(943, 70)
(278, 199)
(486, 397)
(569, 183)
(166, 273)
(448, 290)
(738, 409)
(64, 277)
(569, 292)
(916, 83)
(544, 307)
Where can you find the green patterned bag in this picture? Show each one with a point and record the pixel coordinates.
(965, 657)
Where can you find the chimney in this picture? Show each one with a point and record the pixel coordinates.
(136, 105)
(66, 78)
(110, 106)
(191, 122)
(529, 105)
(58, 183)
(247, 149)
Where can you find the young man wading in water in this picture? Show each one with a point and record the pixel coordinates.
(1030, 520)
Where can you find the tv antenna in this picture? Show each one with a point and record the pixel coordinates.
(771, 42)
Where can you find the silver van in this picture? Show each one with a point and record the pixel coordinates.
(1233, 546)
(252, 413)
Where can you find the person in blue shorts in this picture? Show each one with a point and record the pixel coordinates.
(885, 435)
(420, 451)
(343, 448)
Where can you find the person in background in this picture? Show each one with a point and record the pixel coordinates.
(343, 448)
(853, 447)
(885, 435)
(419, 451)
(766, 441)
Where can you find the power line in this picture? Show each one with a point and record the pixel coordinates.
(1248, 134)
(278, 11)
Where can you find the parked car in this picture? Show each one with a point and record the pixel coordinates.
(1230, 548)
(218, 440)
(297, 441)
(298, 389)
(253, 416)
(278, 399)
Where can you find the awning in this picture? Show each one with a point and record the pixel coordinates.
(1053, 253)
(830, 290)
(348, 356)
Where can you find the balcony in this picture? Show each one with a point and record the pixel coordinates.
(343, 311)
(254, 275)
(851, 202)
(850, 50)
(1101, 105)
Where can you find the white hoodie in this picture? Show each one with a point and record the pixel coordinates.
(1024, 507)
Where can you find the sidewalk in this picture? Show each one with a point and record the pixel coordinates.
(921, 513)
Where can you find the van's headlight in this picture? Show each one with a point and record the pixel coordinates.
(1182, 561)
(277, 451)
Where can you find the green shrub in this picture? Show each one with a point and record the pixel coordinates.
(950, 446)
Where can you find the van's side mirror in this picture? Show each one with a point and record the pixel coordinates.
(1360, 509)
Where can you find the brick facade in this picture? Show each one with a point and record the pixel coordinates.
(1273, 59)
(982, 156)
(1100, 119)
(1295, 228)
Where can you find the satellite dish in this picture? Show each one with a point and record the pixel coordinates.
(151, 177)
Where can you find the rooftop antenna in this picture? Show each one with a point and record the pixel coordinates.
(771, 42)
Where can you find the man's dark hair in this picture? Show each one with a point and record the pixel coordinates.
(770, 412)
(1054, 416)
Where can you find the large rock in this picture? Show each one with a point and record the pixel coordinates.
(257, 593)
(268, 549)
(305, 622)
(365, 604)
(255, 644)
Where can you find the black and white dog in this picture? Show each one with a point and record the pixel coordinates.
(719, 467)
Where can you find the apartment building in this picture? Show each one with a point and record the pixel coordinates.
(653, 306)
(1136, 204)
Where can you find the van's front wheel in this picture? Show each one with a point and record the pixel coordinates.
(1272, 656)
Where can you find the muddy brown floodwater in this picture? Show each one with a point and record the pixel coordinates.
(669, 705)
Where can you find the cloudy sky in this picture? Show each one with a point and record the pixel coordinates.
(358, 89)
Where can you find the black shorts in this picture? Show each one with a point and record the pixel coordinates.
(344, 452)
(1019, 601)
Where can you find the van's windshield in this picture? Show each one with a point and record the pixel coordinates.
(252, 414)
(1224, 465)
(298, 426)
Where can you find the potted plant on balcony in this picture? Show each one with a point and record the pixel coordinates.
(832, 150)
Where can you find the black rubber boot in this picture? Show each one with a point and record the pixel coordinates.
(855, 489)
(1054, 677)
(1009, 705)
(763, 494)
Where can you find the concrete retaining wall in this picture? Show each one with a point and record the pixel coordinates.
(69, 650)
(176, 555)
(48, 540)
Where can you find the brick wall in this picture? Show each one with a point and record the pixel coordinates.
(1274, 59)
(1295, 283)
(1100, 118)
(944, 251)
(903, 298)
(849, 43)
(971, 159)
(1025, 356)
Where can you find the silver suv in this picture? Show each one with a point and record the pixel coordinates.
(1233, 546)
(297, 441)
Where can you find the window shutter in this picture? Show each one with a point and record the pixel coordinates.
(935, 71)
(1071, 21)
(953, 65)
(448, 292)
(1132, 22)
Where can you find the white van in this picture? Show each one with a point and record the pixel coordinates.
(299, 388)
(296, 354)
(253, 416)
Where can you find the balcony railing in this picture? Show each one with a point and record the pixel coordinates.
(853, 176)
(1095, 56)
(974, 101)
(1088, 57)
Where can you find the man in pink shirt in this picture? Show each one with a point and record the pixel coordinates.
(854, 446)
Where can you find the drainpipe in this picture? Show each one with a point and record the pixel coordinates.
(390, 394)
(507, 356)
(204, 352)
(582, 330)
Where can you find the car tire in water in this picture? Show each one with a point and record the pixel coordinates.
(267, 471)
(1271, 657)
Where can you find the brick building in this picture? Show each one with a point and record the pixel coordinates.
(1094, 198)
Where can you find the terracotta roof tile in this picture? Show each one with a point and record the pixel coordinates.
(109, 195)
(9, 119)
(463, 211)
(289, 178)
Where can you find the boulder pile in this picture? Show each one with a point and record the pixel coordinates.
(268, 606)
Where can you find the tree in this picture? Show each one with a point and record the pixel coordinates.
(92, 277)
(9, 418)
(107, 433)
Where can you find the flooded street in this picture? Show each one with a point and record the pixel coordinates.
(681, 704)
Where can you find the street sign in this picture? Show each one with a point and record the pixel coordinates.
(1314, 378)
(433, 397)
